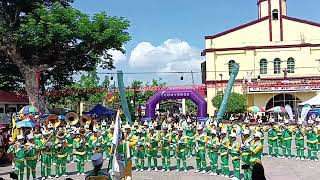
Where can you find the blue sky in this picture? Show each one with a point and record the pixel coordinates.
(161, 24)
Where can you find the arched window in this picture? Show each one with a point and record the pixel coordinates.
(275, 14)
(277, 66)
(230, 64)
(290, 65)
(263, 66)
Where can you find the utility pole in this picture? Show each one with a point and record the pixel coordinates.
(192, 78)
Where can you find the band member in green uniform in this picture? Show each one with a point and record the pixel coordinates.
(245, 154)
(201, 140)
(286, 140)
(190, 132)
(235, 156)
(80, 151)
(256, 149)
(62, 153)
(273, 140)
(140, 149)
(70, 138)
(19, 158)
(164, 144)
(31, 156)
(46, 154)
(152, 148)
(224, 153)
(213, 154)
(181, 146)
(311, 142)
(299, 140)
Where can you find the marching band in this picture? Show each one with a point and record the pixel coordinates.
(241, 144)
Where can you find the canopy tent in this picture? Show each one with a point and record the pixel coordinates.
(312, 102)
(100, 110)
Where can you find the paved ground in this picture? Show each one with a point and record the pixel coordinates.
(275, 169)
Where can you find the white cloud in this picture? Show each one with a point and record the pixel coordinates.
(117, 56)
(171, 56)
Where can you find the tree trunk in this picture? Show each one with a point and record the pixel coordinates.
(32, 89)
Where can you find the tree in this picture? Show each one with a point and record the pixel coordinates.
(52, 40)
(237, 102)
(191, 107)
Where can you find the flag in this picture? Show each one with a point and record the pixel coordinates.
(304, 112)
(115, 141)
(289, 111)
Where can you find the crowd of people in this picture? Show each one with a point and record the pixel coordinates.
(241, 143)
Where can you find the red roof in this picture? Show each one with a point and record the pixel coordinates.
(11, 97)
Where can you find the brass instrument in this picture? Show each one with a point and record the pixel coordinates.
(85, 120)
(72, 118)
(82, 132)
(53, 120)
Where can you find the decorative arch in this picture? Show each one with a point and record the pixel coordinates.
(282, 100)
(176, 94)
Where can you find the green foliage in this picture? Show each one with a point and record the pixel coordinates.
(56, 39)
(191, 107)
(237, 102)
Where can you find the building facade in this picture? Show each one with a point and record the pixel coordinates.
(10, 102)
(279, 58)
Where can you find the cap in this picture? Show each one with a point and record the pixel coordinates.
(20, 137)
(286, 121)
(257, 134)
(199, 127)
(224, 131)
(30, 136)
(97, 159)
(246, 132)
(271, 120)
(233, 135)
(260, 121)
(300, 122)
(103, 123)
(214, 132)
(45, 132)
(127, 126)
(86, 126)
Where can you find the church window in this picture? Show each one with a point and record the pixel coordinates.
(263, 66)
(290, 65)
(277, 66)
(275, 14)
(230, 64)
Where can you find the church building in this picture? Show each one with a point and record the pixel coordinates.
(279, 58)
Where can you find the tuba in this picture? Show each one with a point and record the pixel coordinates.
(53, 120)
(85, 120)
(72, 118)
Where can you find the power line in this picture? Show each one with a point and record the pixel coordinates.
(196, 72)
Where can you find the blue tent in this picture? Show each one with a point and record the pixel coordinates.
(100, 110)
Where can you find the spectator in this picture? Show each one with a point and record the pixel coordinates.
(258, 172)
(97, 162)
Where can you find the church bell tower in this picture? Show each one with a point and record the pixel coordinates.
(274, 10)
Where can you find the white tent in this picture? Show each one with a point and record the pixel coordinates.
(312, 102)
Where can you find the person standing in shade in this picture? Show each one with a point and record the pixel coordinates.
(19, 158)
(31, 156)
(164, 144)
(212, 147)
(97, 173)
(299, 140)
(224, 147)
(201, 140)
(235, 156)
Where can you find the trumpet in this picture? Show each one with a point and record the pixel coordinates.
(85, 120)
